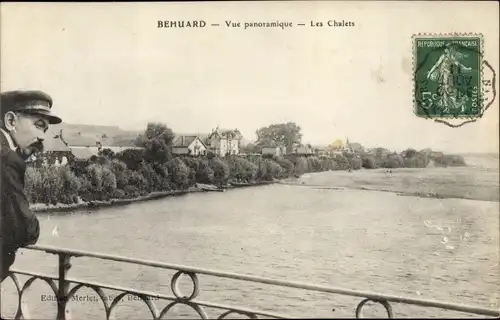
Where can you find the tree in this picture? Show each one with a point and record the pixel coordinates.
(131, 157)
(108, 153)
(250, 148)
(221, 171)
(179, 173)
(157, 140)
(286, 134)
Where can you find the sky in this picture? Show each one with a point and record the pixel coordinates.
(109, 64)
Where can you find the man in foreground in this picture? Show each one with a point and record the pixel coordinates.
(25, 118)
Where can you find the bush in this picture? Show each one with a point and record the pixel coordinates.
(301, 166)
(78, 166)
(194, 164)
(131, 157)
(51, 185)
(179, 173)
(132, 191)
(414, 159)
(210, 155)
(268, 170)
(108, 153)
(205, 174)
(449, 161)
(33, 185)
(287, 166)
(119, 194)
(369, 162)
(121, 173)
(154, 182)
(241, 169)
(328, 164)
(136, 180)
(101, 182)
(355, 163)
(221, 171)
(394, 161)
(313, 164)
(71, 186)
(342, 162)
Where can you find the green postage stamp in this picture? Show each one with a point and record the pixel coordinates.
(448, 76)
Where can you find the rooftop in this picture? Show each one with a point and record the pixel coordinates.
(89, 135)
(183, 141)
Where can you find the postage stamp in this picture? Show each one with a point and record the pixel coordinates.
(448, 71)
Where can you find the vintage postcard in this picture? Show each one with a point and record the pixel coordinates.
(249, 159)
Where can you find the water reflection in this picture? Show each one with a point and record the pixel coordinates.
(362, 240)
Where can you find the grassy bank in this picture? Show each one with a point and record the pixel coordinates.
(464, 183)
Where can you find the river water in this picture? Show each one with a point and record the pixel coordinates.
(442, 249)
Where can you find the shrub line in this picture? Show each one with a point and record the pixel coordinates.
(155, 195)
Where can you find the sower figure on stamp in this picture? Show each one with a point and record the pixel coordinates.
(442, 72)
(25, 118)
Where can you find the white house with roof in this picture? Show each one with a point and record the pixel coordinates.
(188, 145)
(353, 147)
(85, 144)
(224, 141)
(303, 150)
(273, 148)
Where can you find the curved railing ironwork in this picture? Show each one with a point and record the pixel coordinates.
(64, 293)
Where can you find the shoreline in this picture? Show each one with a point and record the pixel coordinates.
(408, 182)
(429, 195)
(97, 204)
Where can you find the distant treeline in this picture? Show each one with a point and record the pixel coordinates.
(132, 173)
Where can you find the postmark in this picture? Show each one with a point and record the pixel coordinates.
(453, 84)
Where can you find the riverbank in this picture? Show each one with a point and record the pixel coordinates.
(82, 205)
(460, 182)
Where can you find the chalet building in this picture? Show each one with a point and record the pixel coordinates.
(303, 150)
(189, 145)
(81, 145)
(272, 148)
(353, 147)
(224, 142)
(55, 152)
(321, 152)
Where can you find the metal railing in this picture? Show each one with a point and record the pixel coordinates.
(64, 292)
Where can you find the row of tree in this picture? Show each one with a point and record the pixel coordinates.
(137, 172)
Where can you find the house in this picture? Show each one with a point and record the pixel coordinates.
(353, 147)
(321, 152)
(82, 144)
(224, 142)
(188, 145)
(303, 150)
(272, 148)
(55, 152)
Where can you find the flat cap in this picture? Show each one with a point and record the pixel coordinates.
(29, 101)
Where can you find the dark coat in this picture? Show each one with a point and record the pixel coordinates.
(19, 226)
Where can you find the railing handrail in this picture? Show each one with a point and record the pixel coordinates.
(318, 288)
(152, 294)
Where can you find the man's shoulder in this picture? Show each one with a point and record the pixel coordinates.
(10, 158)
(4, 143)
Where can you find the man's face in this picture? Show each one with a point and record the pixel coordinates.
(29, 132)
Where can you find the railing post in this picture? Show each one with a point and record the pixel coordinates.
(62, 294)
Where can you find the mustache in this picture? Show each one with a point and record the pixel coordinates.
(37, 146)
